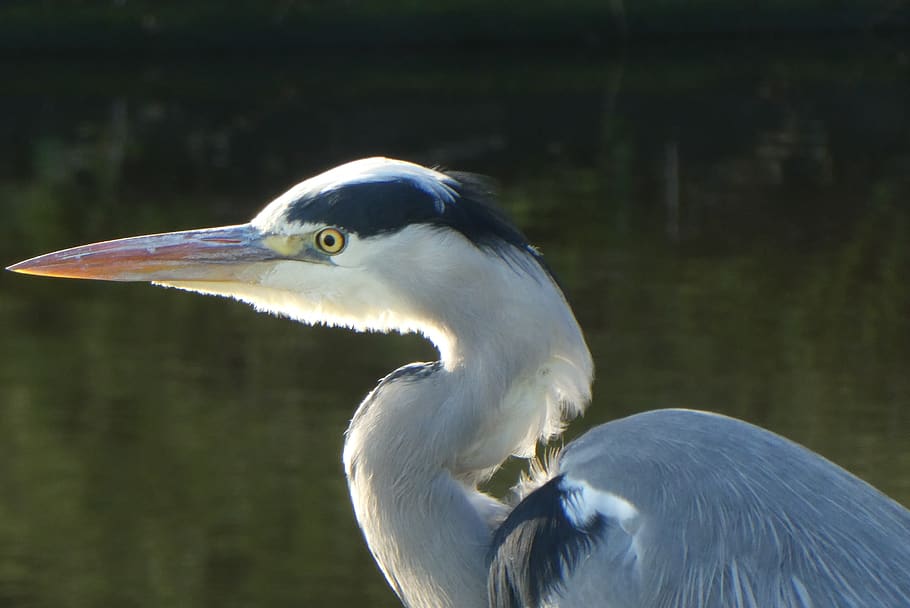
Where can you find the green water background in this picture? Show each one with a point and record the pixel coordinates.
(731, 221)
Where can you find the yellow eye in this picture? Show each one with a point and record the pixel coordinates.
(330, 240)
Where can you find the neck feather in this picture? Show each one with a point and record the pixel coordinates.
(514, 369)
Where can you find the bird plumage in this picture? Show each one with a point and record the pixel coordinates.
(720, 514)
(667, 509)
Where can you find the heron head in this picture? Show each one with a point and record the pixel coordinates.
(375, 244)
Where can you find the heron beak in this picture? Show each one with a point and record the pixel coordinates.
(211, 254)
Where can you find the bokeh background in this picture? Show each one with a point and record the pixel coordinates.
(723, 189)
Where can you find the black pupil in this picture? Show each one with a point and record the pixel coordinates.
(328, 240)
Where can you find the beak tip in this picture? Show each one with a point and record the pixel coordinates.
(40, 267)
(24, 268)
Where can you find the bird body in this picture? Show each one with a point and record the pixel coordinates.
(666, 509)
(689, 508)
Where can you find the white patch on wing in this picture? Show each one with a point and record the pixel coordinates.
(583, 503)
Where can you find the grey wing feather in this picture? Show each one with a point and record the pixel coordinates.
(731, 516)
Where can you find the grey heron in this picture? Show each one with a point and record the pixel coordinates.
(664, 509)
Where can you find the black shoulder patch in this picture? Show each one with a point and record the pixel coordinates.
(536, 547)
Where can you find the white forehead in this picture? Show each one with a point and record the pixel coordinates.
(367, 170)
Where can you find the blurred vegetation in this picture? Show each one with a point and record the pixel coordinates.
(142, 25)
(730, 222)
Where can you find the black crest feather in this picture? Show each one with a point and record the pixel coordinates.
(370, 208)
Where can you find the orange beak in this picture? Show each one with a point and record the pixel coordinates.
(211, 254)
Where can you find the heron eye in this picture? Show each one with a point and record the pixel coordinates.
(330, 240)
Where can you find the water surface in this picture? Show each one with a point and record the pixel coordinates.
(731, 224)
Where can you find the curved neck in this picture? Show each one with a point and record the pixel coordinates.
(420, 443)
(427, 527)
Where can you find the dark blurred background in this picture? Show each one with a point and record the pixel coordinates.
(723, 188)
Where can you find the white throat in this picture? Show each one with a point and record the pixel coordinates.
(514, 369)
